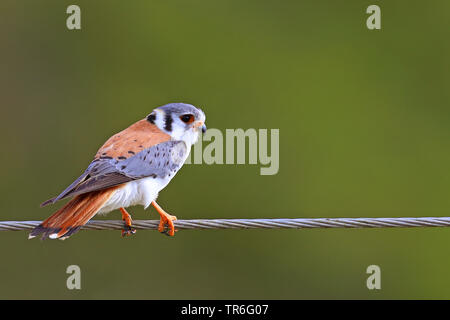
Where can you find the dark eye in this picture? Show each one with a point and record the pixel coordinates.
(187, 118)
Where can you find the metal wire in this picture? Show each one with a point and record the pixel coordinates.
(253, 223)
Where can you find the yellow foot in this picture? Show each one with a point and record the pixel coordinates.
(126, 217)
(166, 222)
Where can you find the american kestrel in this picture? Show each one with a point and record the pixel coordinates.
(131, 168)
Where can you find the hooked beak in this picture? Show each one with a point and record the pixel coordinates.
(200, 124)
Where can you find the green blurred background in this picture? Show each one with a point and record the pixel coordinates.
(364, 132)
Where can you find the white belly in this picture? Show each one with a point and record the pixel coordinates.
(137, 192)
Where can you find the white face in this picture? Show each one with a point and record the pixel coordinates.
(182, 123)
(189, 134)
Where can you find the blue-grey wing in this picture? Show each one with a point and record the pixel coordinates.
(160, 160)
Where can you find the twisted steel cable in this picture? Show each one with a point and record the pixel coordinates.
(253, 223)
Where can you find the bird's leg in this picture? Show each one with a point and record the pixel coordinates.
(165, 219)
(128, 230)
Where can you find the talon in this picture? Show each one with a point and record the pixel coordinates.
(166, 225)
(126, 233)
(127, 230)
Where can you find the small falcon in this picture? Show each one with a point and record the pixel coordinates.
(129, 169)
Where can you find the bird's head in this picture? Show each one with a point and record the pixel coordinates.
(180, 120)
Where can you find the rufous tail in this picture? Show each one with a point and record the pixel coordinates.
(73, 215)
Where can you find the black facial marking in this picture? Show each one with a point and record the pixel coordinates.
(168, 122)
(106, 157)
(121, 158)
(151, 118)
(130, 152)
